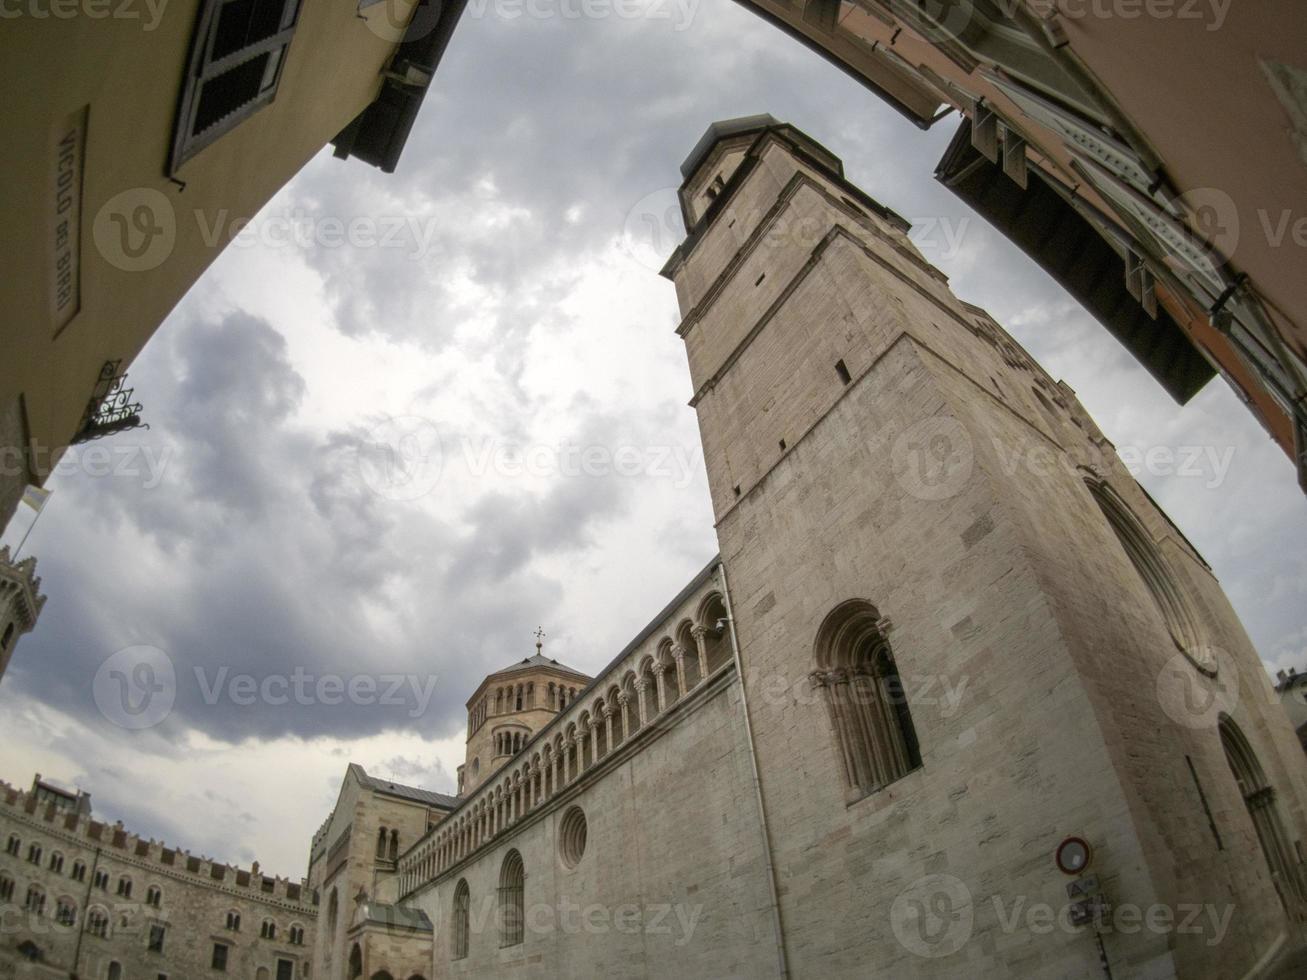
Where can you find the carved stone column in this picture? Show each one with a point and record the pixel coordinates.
(698, 632)
(658, 686)
(640, 686)
(678, 654)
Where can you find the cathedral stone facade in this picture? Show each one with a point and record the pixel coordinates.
(955, 698)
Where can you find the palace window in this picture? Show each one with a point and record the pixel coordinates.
(34, 853)
(157, 932)
(859, 681)
(219, 961)
(460, 927)
(234, 921)
(65, 912)
(512, 917)
(125, 887)
(79, 871)
(153, 896)
(97, 922)
(237, 56)
(56, 861)
(35, 901)
(13, 844)
(6, 888)
(268, 930)
(297, 935)
(102, 880)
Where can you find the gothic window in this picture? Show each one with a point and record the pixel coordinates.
(519, 699)
(65, 912)
(859, 681)
(13, 844)
(34, 853)
(153, 896)
(102, 880)
(394, 845)
(79, 871)
(355, 962)
(460, 926)
(268, 930)
(115, 970)
(6, 888)
(234, 921)
(125, 887)
(1156, 574)
(381, 844)
(56, 861)
(512, 917)
(297, 935)
(1259, 797)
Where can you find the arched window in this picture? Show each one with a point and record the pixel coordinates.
(268, 930)
(35, 901)
(115, 971)
(461, 926)
(1156, 574)
(65, 912)
(381, 843)
(868, 709)
(518, 702)
(125, 887)
(153, 896)
(97, 922)
(512, 916)
(13, 845)
(6, 888)
(394, 845)
(1259, 797)
(234, 921)
(297, 935)
(56, 861)
(333, 911)
(355, 961)
(79, 871)
(34, 853)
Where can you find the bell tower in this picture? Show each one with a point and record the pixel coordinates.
(967, 634)
(20, 603)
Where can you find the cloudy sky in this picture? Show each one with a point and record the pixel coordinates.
(516, 346)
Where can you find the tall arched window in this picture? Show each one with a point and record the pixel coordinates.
(355, 962)
(1156, 574)
(512, 915)
(394, 845)
(1259, 797)
(460, 926)
(864, 696)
